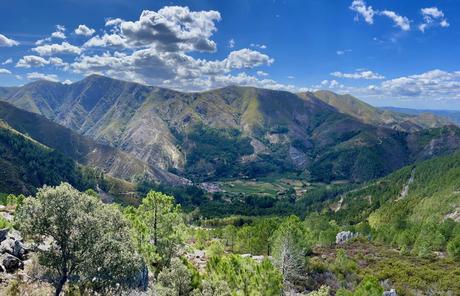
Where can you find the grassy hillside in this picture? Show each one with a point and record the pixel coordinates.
(322, 136)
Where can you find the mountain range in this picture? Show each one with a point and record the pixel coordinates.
(133, 130)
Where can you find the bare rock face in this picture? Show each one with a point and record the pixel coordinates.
(344, 236)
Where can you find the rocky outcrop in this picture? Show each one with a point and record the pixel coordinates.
(344, 236)
(12, 250)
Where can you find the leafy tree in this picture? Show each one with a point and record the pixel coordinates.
(175, 280)
(91, 244)
(245, 276)
(213, 287)
(158, 228)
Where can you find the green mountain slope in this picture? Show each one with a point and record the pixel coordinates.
(415, 193)
(235, 131)
(79, 148)
(26, 164)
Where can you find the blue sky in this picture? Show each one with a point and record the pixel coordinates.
(400, 53)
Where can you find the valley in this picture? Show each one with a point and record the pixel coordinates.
(246, 177)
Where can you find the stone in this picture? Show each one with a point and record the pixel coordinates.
(10, 263)
(7, 246)
(392, 292)
(3, 234)
(343, 236)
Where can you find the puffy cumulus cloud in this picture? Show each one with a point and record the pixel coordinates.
(42, 76)
(36, 61)
(172, 29)
(359, 75)
(59, 33)
(331, 84)
(31, 61)
(400, 21)
(84, 31)
(432, 16)
(361, 9)
(167, 68)
(431, 85)
(5, 71)
(246, 58)
(52, 49)
(7, 42)
(106, 40)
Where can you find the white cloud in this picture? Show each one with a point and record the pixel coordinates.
(262, 73)
(432, 16)
(368, 75)
(31, 61)
(84, 31)
(330, 84)
(291, 77)
(435, 85)
(67, 81)
(107, 40)
(5, 71)
(8, 61)
(6, 42)
(367, 12)
(172, 29)
(51, 49)
(59, 33)
(231, 43)
(42, 76)
(400, 21)
(36, 61)
(246, 58)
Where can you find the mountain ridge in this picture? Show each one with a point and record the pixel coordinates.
(318, 134)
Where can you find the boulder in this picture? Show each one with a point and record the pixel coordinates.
(392, 292)
(343, 236)
(10, 263)
(7, 246)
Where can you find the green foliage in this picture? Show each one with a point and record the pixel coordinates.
(323, 291)
(215, 152)
(158, 228)
(244, 276)
(216, 249)
(91, 244)
(453, 248)
(369, 286)
(175, 280)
